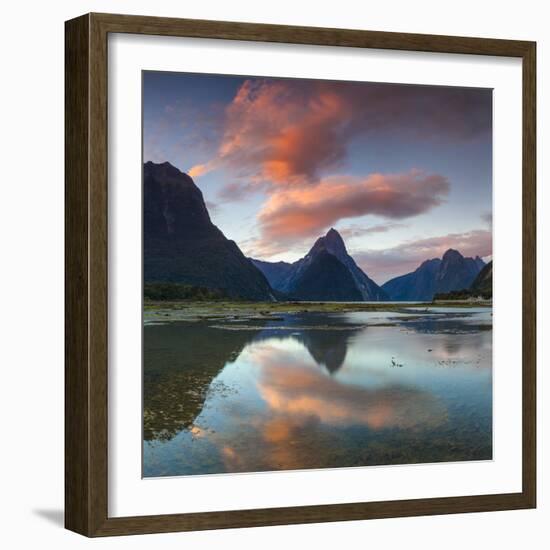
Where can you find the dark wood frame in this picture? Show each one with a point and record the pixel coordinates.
(87, 286)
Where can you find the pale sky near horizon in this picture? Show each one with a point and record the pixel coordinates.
(402, 172)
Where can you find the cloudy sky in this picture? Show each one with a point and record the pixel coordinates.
(402, 172)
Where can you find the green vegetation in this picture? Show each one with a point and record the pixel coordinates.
(465, 294)
(161, 292)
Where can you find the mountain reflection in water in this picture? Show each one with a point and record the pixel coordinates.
(317, 391)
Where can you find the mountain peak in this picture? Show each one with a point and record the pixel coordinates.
(182, 245)
(334, 238)
(332, 242)
(452, 272)
(165, 164)
(328, 254)
(452, 254)
(168, 173)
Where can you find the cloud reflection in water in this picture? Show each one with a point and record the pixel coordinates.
(301, 398)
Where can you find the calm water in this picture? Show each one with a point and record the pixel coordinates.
(318, 391)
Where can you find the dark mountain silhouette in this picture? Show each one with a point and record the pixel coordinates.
(182, 245)
(452, 272)
(479, 262)
(333, 243)
(325, 278)
(482, 287)
(418, 285)
(456, 271)
(483, 283)
(275, 272)
(318, 274)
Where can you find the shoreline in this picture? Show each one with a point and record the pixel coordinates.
(222, 310)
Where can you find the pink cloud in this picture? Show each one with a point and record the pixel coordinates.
(292, 213)
(289, 137)
(292, 131)
(283, 133)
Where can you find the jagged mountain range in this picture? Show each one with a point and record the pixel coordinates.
(452, 272)
(182, 245)
(326, 272)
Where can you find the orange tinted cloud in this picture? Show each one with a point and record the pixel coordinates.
(284, 137)
(292, 131)
(292, 213)
(199, 170)
(284, 133)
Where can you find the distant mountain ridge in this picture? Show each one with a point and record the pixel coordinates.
(182, 245)
(452, 272)
(326, 272)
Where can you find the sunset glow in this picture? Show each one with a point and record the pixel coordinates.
(280, 161)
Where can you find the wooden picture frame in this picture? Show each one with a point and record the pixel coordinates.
(86, 283)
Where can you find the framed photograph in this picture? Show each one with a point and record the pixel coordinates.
(281, 305)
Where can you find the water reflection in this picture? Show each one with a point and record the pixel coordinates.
(180, 362)
(302, 392)
(316, 392)
(327, 348)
